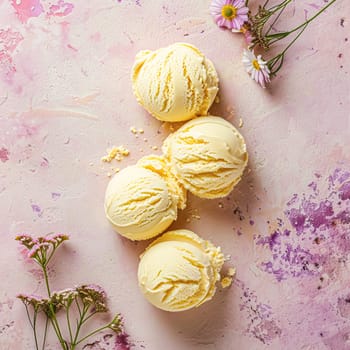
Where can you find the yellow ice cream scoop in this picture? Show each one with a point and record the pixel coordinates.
(207, 155)
(142, 201)
(174, 83)
(179, 271)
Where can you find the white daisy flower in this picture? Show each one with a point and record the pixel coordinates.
(256, 67)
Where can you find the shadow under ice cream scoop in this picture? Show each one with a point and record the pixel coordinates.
(207, 155)
(175, 83)
(179, 271)
(142, 200)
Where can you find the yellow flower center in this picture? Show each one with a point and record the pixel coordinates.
(256, 64)
(229, 12)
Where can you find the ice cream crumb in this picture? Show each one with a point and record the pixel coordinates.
(230, 111)
(231, 271)
(168, 127)
(136, 132)
(220, 205)
(240, 123)
(226, 282)
(117, 153)
(91, 163)
(109, 174)
(154, 147)
(193, 215)
(145, 140)
(217, 99)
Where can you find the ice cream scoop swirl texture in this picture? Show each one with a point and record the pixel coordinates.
(179, 271)
(141, 201)
(174, 83)
(207, 155)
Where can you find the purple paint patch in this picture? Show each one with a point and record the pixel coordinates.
(313, 186)
(7, 66)
(9, 303)
(274, 239)
(318, 213)
(25, 129)
(122, 342)
(344, 306)
(9, 40)
(44, 163)
(4, 154)
(260, 322)
(297, 220)
(293, 200)
(110, 342)
(339, 341)
(315, 6)
(36, 209)
(137, 2)
(60, 9)
(55, 195)
(319, 231)
(344, 191)
(26, 9)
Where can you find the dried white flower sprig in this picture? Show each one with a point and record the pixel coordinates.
(86, 300)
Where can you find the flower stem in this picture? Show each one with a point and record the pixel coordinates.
(45, 332)
(69, 326)
(272, 38)
(51, 255)
(275, 20)
(57, 330)
(52, 313)
(92, 314)
(314, 16)
(34, 329)
(46, 278)
(275, 8)
(266, 2)
(280, 57)
(79, 325)
(92, 333)
(282, 35)
(78, 307)
(29, 319)
(33, 325)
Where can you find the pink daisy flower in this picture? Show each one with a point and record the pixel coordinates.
(230, 14)
(256, 67)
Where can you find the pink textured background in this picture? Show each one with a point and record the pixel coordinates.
(65, 96)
